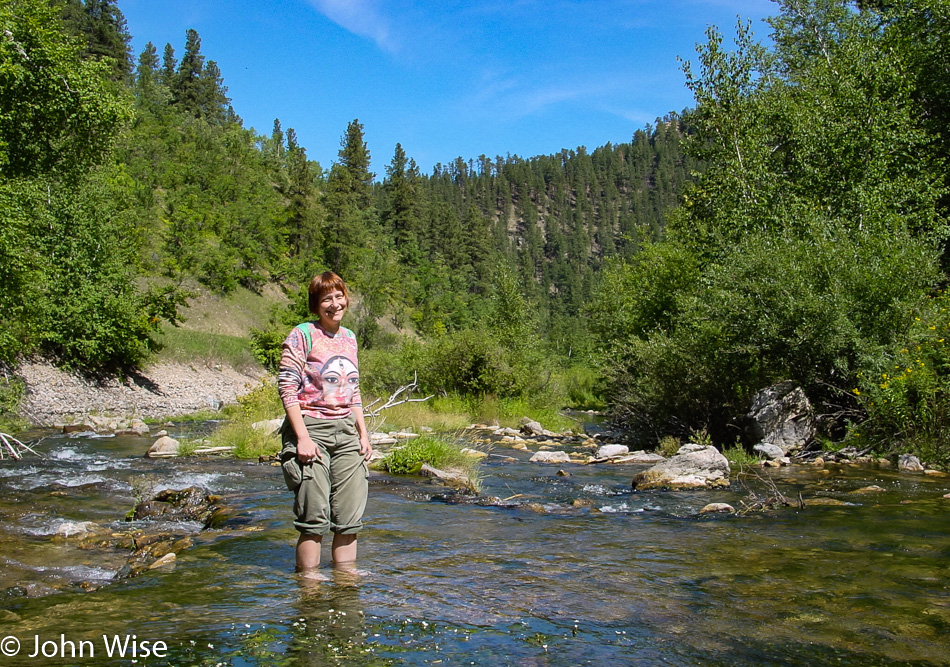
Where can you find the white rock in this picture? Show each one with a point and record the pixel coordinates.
(550, 457)
(608, 451)
(769, 450)
(702, 468)
(163, 447)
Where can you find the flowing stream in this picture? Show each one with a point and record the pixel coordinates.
(575, 570)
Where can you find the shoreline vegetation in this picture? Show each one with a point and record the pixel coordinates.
(753, 239)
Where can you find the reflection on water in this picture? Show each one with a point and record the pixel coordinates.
(579, 571)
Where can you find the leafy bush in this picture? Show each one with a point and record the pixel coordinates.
(906, 390)
(814, 308)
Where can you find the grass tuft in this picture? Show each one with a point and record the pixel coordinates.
(442, 452)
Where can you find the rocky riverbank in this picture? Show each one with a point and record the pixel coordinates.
(54, 397)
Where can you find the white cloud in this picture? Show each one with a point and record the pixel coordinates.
(360, 17)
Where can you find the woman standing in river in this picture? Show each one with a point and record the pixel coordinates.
(325, 441)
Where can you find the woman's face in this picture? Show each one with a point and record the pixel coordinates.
(331, 308)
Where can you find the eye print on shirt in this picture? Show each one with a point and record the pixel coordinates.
(340, 379)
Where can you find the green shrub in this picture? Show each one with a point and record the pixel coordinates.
(739, 457)
(815, 308)
(906, 392)
(668, 446)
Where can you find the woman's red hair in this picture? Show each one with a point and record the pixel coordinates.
(324, 283)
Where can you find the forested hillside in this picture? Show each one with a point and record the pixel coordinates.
(791, 226)
(138, 178)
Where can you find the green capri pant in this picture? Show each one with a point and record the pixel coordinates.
(330, 493)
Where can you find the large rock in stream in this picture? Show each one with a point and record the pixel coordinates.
(781, 415)
(693, 467)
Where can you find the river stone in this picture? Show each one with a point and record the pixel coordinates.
(452, 477)
(477, 453)
(642, 456)
(909, 463)
(825, 501)
(698, 469)
(68, 528)
(531, 427)
(874, 488)
(781, 415)
(689, 448)
(769, 450)
(77, 427)
(167, 559)
(164, 446)
(133, 427)
(608, 451)
(717, 507)
(551, 457)
(507, 431)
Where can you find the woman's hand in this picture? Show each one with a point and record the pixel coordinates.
(307, 451)
(366, 449)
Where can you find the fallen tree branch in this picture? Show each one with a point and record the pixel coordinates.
(394, 399)
(13, 447)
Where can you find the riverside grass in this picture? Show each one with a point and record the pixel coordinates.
(438, 451)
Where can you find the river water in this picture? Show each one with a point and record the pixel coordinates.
(573, 570)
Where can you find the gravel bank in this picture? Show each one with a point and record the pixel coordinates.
(55, 397)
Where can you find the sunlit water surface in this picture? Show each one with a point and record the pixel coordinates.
(578, 570)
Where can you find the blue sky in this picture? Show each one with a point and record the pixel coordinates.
(447, 78)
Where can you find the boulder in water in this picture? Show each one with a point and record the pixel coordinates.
(772, 452)
(551, 457)
(699, 468)
(909, 463)
(163, 447)
(609, 451)
(781, 415)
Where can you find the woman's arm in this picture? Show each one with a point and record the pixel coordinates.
(366, 449)
(306, 450)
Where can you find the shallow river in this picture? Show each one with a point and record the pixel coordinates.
(579, 571)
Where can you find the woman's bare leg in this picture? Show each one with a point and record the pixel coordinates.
(308, 552)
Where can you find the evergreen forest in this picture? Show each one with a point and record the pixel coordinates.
(791, 225)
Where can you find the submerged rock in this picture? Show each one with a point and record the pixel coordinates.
(717, 507)
(699, 468)
(781, 415)
(191, 504)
